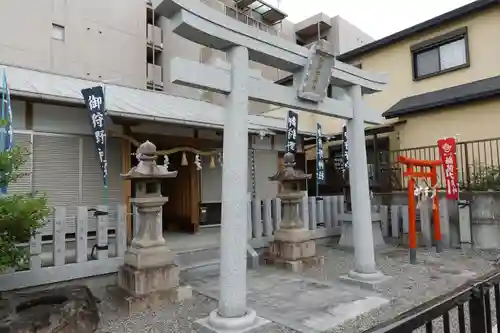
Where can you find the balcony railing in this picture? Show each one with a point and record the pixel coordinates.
(237, 15)
(154, 36)
(240, 16)
(154, 76)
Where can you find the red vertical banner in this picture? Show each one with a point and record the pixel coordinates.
(448, 152)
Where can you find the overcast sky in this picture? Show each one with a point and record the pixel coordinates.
(378, 18)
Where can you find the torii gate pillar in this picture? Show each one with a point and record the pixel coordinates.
(232, 303)
(365, 270)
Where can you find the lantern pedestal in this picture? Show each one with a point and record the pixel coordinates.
(293, 247)
(149, 276)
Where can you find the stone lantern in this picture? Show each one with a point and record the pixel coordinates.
(149, 270)
(293, 246)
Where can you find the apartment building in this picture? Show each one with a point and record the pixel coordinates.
(55, 48)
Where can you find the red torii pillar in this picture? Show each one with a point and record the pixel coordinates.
(417, 169)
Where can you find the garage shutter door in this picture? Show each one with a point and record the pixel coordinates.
(23, 185)
(92, 183)
(56, 172)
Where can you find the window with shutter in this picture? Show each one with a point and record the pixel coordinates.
(56, 173)
(92, 181)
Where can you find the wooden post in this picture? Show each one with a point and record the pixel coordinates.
(102, 233)
(436, 215)
(257, 226)
(313, 223)
(412, 232)
(267, 218)
(59, 236)
(121, 231)
(395, 221)
(82, 234)
(127, 188)
(276, 213)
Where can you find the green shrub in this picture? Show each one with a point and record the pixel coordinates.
(485, 178)
(21, 215)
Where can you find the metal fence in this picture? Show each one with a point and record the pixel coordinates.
(478, 164)
(471, 307)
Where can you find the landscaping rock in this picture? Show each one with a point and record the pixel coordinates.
(64, 310)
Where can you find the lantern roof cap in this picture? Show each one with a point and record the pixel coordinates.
(147, 167)
(289, 173)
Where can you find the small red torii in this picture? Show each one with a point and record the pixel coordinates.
(417, 169)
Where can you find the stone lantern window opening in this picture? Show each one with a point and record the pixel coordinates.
(152, 188)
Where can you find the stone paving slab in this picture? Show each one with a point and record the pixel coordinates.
(280, 292)
(306, 305)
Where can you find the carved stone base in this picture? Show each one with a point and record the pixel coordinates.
(293, 249)
(293, 235)
(140, 282)
(135, 304)
(296, 266)
(149, 288)
(141, 258)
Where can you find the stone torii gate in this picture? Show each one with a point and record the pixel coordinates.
(313, 70)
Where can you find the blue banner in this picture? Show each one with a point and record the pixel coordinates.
(6, 135)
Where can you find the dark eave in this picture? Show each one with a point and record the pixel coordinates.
(441, 20)
(464, 93)
(285, 80)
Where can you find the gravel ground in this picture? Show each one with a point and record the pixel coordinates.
(171, 318)
(410, 285)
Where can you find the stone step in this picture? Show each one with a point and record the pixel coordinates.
(203, 268)
(198, 261)
(189, 257)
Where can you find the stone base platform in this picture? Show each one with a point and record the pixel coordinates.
(149, 288)
(366, 281)
(134, 304)
(293, 255)
(249, 323)
(295, 266)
